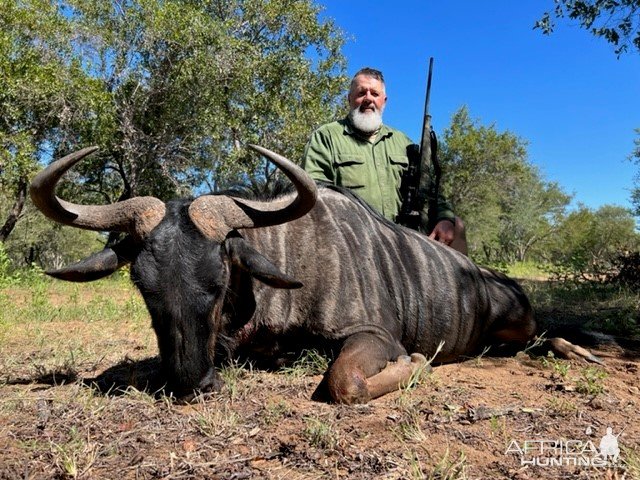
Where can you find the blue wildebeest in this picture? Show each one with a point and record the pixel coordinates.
(211, 273)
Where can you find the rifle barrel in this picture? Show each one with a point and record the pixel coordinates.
(426, 101)
(426, 122)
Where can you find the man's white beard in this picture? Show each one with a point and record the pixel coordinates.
(366, 122)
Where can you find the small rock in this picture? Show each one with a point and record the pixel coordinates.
(597, 404)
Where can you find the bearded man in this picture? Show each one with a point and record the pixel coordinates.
(362, 154)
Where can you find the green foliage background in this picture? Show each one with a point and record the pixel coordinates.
(173, 91)
(170, 91)
(512, 214)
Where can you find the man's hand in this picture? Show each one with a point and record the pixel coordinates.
(443, 232)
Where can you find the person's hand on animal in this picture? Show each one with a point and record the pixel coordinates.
(443, 232)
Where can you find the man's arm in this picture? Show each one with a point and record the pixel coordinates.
(440, 208)
(317, 160)
(443, 209)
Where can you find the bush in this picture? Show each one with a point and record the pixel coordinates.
(622, 269)
(627, 270)
(5, 267)
(12, 275)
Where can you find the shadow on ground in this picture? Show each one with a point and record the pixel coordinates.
(143, 375)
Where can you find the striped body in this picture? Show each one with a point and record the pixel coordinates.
(363, 273)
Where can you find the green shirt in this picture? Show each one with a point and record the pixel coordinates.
(373, 169)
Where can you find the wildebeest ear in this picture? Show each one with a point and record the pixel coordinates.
(245, 257)
(99, 264)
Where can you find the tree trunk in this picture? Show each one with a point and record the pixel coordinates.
(16, 210)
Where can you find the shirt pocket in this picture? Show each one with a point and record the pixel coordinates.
(351, 171)
(399, 164)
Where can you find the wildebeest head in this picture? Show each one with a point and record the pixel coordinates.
(183, 255)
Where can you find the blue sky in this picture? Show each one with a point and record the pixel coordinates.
(566, 94)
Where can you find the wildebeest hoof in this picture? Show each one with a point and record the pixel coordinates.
(348, 386)
(568, 350)
(404, 359)
(420, 362)
(211, 382)
(195, 396)
(418, 358)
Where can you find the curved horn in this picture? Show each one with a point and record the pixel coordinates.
(94, 267)
(137, 216)
(99, 264)
(216, 215)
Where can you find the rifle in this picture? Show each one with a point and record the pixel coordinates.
(415, 183)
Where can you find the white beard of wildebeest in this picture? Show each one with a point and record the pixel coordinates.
(368, 121)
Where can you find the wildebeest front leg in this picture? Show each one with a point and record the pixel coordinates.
(366, 368)
(396, 374)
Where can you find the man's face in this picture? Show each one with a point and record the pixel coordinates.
(367, 95)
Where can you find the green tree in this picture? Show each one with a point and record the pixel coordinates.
(532, 212)
(191, 82)
(617, 21)
(506, 206)
(171, 91)
(36, 240)
(588, 241)
(43, 96)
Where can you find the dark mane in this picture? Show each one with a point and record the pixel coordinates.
(258, 191)
(354, 197)
(280, 188)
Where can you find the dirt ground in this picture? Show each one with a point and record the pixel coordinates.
(96, 416)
